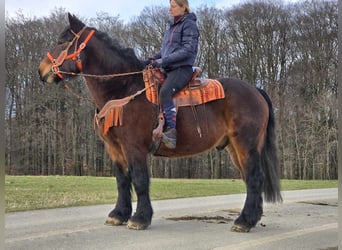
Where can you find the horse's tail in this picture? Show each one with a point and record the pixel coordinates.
(269, 159)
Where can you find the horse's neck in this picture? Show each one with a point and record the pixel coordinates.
(99, 94)
(114, 87)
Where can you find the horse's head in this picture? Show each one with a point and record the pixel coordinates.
(66, 57)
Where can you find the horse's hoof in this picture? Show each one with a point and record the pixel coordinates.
(113, 221)
(136, 225)
(240, 228)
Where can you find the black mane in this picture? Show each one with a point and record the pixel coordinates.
(126, 53)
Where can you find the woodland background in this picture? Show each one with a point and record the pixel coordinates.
(289, 50)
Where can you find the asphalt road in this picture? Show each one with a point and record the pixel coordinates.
(306, 220)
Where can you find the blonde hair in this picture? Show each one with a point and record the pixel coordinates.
(183, 3)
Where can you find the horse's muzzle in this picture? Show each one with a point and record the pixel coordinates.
(41, 77)
(48, 76)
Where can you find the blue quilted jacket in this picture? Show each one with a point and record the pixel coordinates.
(180, 43)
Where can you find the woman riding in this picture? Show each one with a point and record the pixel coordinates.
(176, 57)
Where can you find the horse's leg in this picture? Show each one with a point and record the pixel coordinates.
(234, 158)
(123, 208)
(141, 182)
(254, 178)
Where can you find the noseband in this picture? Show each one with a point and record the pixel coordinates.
(63, 56)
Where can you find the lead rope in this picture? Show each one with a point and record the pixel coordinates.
(66, 86)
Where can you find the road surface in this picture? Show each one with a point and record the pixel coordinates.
(306, 220)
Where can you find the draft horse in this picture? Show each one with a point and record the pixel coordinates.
(242, 123)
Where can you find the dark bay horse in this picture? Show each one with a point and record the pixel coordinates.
(242, 123)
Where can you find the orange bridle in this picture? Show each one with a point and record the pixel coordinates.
(63, 56)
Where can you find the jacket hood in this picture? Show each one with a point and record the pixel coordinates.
(190, 16)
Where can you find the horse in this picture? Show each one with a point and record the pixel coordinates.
(243, 123)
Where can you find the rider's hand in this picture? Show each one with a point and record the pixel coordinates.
(146, 62)
(157, 63)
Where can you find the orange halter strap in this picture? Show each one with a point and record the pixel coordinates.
(63, 56)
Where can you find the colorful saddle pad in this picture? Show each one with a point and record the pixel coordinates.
(199, 91)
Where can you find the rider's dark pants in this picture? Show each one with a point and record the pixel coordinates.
(175, 81)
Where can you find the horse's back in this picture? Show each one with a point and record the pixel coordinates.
(243, 97)
(234, 86)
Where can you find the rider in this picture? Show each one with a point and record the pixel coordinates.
(176, 57)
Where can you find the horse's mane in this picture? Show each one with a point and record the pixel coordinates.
(127, 54)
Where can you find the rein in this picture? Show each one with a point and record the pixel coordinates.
(101, 76)
(131, 97)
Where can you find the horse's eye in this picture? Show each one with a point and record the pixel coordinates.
(61, 40)
(65, 37)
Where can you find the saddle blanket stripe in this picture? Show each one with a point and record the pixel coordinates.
(187, 96)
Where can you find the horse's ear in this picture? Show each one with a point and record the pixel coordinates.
(75, 24)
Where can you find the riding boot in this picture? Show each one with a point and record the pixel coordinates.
(170, 135)
(170, 138)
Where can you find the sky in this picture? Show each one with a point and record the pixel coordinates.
(126, 9)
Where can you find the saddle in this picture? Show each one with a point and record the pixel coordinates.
(198, 91)
(194, 82)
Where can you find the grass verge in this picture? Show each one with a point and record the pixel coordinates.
(41, 192)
